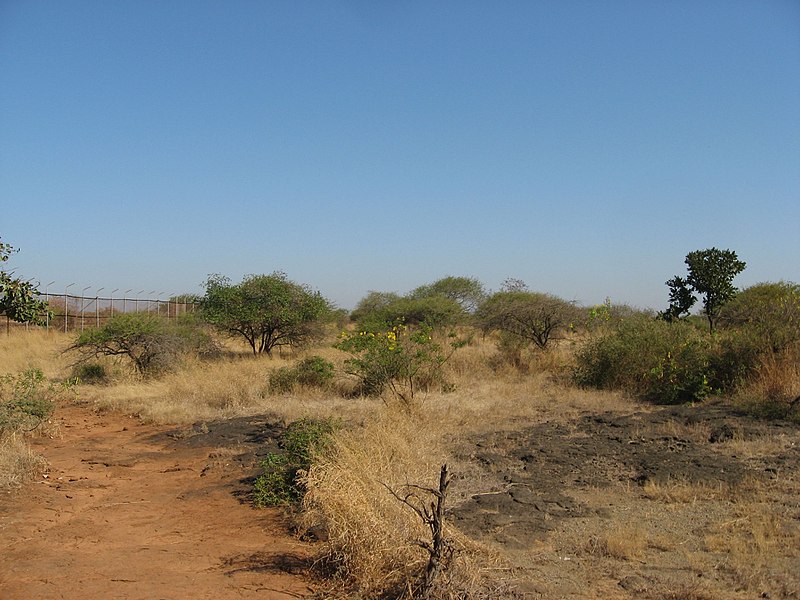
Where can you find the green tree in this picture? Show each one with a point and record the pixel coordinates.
(379, 311)
(267, 310)
(18, 298)
(373, 303)
(711, 274)
(466, 291)
(531, 316)
(681, 299)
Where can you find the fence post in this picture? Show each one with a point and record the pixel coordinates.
(66, 306)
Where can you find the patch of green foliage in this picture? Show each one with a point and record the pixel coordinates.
(651, 359)
(313, 371)
(27, 399)
(19, 299)
(403, 359)
(278, 485)
(152, 343)
(91, 373)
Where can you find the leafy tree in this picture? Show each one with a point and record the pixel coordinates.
(711, 274)
(681, 299)
(531, 316)
(374, 302)
(18, 298)
(267, 310)
(433, 311)
(467, 291)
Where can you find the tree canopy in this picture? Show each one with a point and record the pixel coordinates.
(267, 310)
(18, 298)
(532, 316)
(468, 292)
(711, 274)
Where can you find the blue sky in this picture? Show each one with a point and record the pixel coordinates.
(584, 147)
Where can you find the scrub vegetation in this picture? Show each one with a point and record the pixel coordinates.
(599, 451)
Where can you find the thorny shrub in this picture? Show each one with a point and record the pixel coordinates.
(402, 359)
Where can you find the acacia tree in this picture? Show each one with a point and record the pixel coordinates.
(18, 298)
(467, 291)
(152, 343)
(267, 310)
(531, 316)
(711, 274)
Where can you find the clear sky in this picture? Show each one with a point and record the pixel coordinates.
(584, 147)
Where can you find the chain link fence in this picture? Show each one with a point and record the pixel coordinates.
(76, 313)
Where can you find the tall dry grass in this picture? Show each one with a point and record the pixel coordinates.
(373, 538)
(22, 349)
(18, 462)
(774, 390)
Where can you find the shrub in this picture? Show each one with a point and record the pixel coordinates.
(533, 317)
(651, 359)
(278, 484)
(26, 400)
(770, 310)
(601, 317)
(89, 373)
(313, 371)
(402, 359)
(153, 344)
(282, 381)
(432, 311)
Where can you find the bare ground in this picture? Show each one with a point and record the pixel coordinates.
(688, 502)
(129, 510)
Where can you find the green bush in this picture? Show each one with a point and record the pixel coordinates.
(534, 317)
(278, 484)
(282, 381)
(385, 312)
(152, 343)
(26, 400)
(770, 311)
(92, 373)
(313, 371)
(651, 359)
(402, 359)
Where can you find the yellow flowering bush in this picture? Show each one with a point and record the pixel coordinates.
(401, 359)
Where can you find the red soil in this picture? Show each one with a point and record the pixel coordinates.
(124, 514)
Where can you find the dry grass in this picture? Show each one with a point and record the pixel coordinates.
(775, 387)
(20, 350)
(372, 536)
(203, 390)
(688, 492)
(759, 544)
(18, 463)
(23, 349)
(747, 535)
(623, 543)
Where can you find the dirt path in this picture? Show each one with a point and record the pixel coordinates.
(130, 512)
